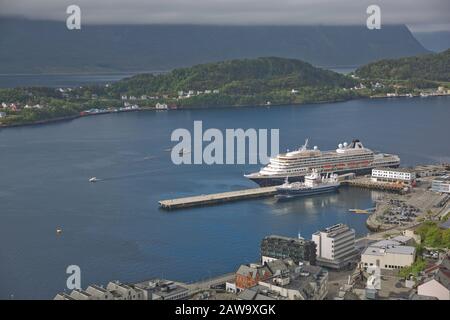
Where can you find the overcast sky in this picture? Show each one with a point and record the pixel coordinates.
(419, 15)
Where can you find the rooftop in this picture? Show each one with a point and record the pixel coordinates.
(445, 178)
(259, 292)
(402, 239)
(161, 287)
(408, 170)
(383, 247)
(296, 240)
(246, 271)
(335, 230)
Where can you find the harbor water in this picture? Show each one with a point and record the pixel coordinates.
(114, 229)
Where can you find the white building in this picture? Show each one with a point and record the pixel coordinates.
(441, 184)
(403, 175)
(127, 292)
(438, 286)
(99, 293)
(161, 106)
(335, 246)
(160, 289)
(2, 114)
(388, 254)
(63, 296)
(80, 295)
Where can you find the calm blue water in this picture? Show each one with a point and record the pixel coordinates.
(114, 230)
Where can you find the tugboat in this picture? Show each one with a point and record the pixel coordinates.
(314, 184)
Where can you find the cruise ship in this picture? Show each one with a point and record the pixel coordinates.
(294, 165)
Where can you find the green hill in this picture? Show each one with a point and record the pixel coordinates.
(432, 67)
(235, 77)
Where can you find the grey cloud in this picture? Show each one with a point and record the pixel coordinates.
(417, 14)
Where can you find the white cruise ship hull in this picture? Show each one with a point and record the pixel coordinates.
(273, 180)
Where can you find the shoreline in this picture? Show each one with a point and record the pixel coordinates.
(145, 109)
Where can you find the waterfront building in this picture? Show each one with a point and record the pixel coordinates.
(128, 292)
(160, 289)
(335, 246)
(388, 254)
(63, 296)
(99, 293)
(80, 295)
(399, 175)
(279, 247)
(294, 282)
(161, 106)
(249, 276)
(429, 170)
(441, 184)
(156, 289)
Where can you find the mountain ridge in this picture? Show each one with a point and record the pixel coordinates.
(432, 67)
(48, 46)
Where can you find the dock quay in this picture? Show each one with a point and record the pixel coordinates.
(367, 183)
(216, 198)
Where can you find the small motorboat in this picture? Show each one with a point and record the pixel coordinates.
(58, 231)
(93, 179)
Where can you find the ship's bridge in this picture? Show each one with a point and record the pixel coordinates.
(356, 145)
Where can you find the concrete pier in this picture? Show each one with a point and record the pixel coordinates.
(366, 183)
(215, 198)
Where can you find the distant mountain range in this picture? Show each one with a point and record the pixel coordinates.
(49, 47)
(433, 67)
(437, 41)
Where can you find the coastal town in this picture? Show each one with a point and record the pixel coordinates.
(11, 109)
(406, 257)
(35, 105)
(332, 265)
